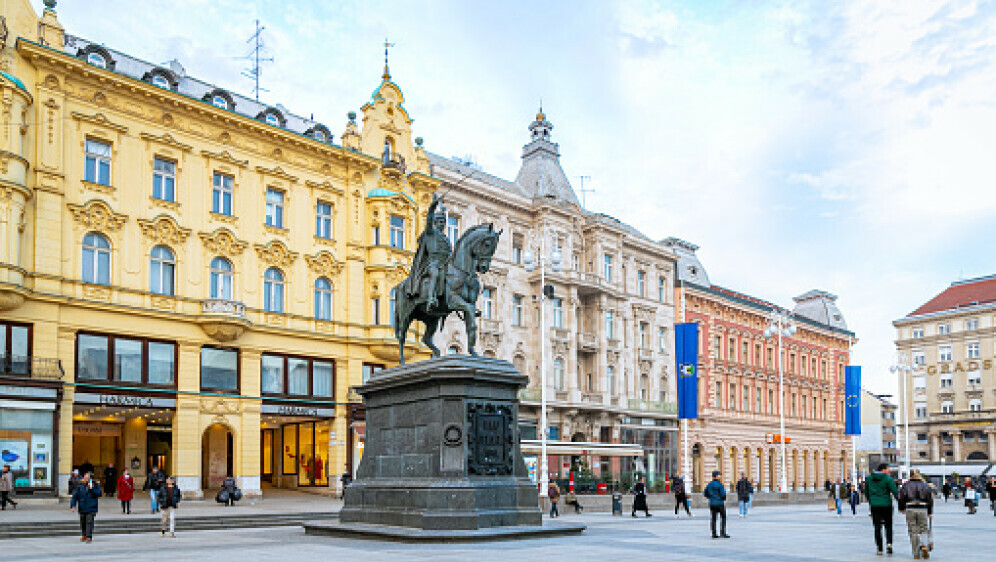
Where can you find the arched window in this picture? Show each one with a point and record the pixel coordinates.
(221, 279)
(558, 373)
(323, 299)
(161, 270)
(387, 150)
(273, 290)
(272, 119)
(160, 81)
(219, 101)
(393, 305)
(96, 59)
(96, 259)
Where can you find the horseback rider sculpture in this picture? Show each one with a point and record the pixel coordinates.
(434, 250)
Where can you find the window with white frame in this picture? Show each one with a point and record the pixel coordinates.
(323, 299)
(610, 379)
(718, 396)
(161, 82)
(944, 353)
(558, 313)
(398, 232)
(517, 310)
(487, 302)
(757, 400)
(323, 220)
(919, 382)
(770, 404)
(641, 283)
(947, 407)
(272, 119)
(732, 396)
(610, 325)
(96, 59)
(974, 377)
(920, 410)
(973, 351)
(946, 380)
(97, 161)
(162, 268)
(607, 268)
(219, 101)
(517, 252)
(221, 279)
(274, 207)
(972, 324)
(660, 289)
(96, 259)
(164, 179)
(273, 290)
(661, 339)
(453, 228)
(917, 333)
(558, 373)
(943, 329)
(975, 405)
(221, 194)
(919, 357)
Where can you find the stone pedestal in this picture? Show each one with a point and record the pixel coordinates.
(442, 449)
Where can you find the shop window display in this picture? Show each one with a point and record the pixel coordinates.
(26, 445)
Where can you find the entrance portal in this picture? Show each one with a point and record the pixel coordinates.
(217, 455)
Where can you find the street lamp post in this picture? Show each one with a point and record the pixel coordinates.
(903, 368)
(529, 262)
(781, 323)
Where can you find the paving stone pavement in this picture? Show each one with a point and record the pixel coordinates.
(778, 533)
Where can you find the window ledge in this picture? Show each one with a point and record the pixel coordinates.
(230, 219)
(275, 230)
(98, 187)
(324, 241)
(164, 203)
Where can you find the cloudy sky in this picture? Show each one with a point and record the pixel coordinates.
(845, 146)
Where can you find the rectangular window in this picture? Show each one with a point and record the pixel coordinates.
(644, 335)
(219, 369)
(272, 374)
(641, 283)
(794, 400)
(943, 329)
(323, 220)
(732, 396)
(322, 378)
(718, 398)
(128, 360)
(771, 401)
(517, 310)
(607, 270)
(517, 253)
(97, 166)
(161, 363)
(610, 378)
(221, 194)
(717, 352)
(298, 373)
(558, 313)
(974, 377)
(375, 311)
(91, 356)
(275, 207)
(972, 351)
(397, 232)
(660, 289)
(453, 228)
(661, 339)
(488, 303)
(920, 382)
(919, 358)
(944, 353)
(917, 333)
(757, 400)
(745, 353)
(947, 407)
(15, 352)
(610, 325)
(745, 403)
(972, 324)
(369, 369)
(376, 236)
(164, 179)
(731, 350)
(946, 380)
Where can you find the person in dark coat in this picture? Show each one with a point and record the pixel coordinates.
(126, 490)
(680, 495)
(946, 490)
(87, 466)
(110, 479)
(716, 493)
(880, 488)
(971, 496)
(916, 501)
(855, 499)
(744, 491)
(153, 482)
(85, 502)
(228, 484)
(169, 501)
(74, 480)
(640, 498)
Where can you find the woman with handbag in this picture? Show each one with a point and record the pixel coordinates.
(6, 488)
(126, 490)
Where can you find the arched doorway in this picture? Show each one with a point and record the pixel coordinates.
(772, 479)
(978, 456)
(217, 455)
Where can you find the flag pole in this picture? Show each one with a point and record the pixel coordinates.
(686, 460)
(854, 438)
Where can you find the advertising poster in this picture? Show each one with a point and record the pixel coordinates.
(15, 453)
(532, 467)
(41, 459)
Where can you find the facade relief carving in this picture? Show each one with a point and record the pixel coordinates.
(164, 230)
(97, 215)
(324, 264)
(276, 254)
(223, 242)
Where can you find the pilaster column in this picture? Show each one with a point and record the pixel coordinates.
(186, 453)
(247, 462)
(992, 444)
(935, 447)
(956, 439)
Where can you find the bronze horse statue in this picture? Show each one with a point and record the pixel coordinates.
(457, 292)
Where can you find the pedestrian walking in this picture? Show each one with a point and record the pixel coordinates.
(84, 502)
(169, 501)
(716, 493)
(991, 492)
(153, 482)
(110, 479)
(553, 492)
(87, 466)
(880, 488)
(838, 493)
(917, 502)
(680, 495)
(946, 490)
(126, 490)
(970, 496)
(744, 491)
(855, 499)
(6, 488)
(640, 498)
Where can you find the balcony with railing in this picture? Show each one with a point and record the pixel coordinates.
(646, 354)
(30, 367)
(559, 334)
(223, 319)
(587, 341)
(589, 283)
(491, 326)
(591, 397)
(652, 406)
(393, 162)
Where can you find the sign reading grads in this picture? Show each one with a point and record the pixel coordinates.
(852, 400)
(687, 355)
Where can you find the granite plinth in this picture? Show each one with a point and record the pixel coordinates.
(408, 534)
(442, 449)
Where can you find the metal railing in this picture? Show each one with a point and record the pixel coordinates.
(30, 367)
(587, 339)
(223, 306)
(652, 406)
(394, 161)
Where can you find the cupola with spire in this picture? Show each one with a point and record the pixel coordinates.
(540, 174)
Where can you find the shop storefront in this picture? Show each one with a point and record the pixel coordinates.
(295, 445)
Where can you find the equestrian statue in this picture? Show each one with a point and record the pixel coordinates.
(443, 279)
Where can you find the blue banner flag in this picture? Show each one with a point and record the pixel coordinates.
(852, 400)
(686, 351)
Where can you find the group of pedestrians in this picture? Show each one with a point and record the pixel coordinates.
(85, 492)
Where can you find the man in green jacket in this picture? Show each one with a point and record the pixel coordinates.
(880, 488)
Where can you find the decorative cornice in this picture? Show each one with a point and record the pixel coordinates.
(167, 140)
(225, 156)
(99, 119)
(275, 253)
(324, 264)
(223, 242)
(97, 215)
(325, 186)
(277, 172)
(164, 230)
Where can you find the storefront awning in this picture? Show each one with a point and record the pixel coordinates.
(585, 448)
(948, 469)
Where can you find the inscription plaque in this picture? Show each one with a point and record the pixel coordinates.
(489, 438)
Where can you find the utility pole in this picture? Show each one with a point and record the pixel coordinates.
(582, 191)
(256, 56)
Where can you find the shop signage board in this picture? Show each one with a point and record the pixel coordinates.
(124, 400)
(32, 391)
(281, 410)
(97, 429)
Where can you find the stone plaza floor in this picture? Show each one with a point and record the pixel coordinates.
(790, 533)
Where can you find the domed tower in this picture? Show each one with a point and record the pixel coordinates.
(540, 174)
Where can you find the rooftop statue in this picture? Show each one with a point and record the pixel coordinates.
(443, 279)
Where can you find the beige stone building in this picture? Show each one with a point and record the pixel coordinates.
(951, 341)
(609, 325)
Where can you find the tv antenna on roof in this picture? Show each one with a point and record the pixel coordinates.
(582, 190)
(257, 55)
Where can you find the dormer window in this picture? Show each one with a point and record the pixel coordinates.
(319, 132)
(271, 119)
(160, 82)
(319, 136)
(219, 101)
(96, 59)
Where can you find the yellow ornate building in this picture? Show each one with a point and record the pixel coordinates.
(189, 278)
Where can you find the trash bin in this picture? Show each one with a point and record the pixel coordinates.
(617, 503)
